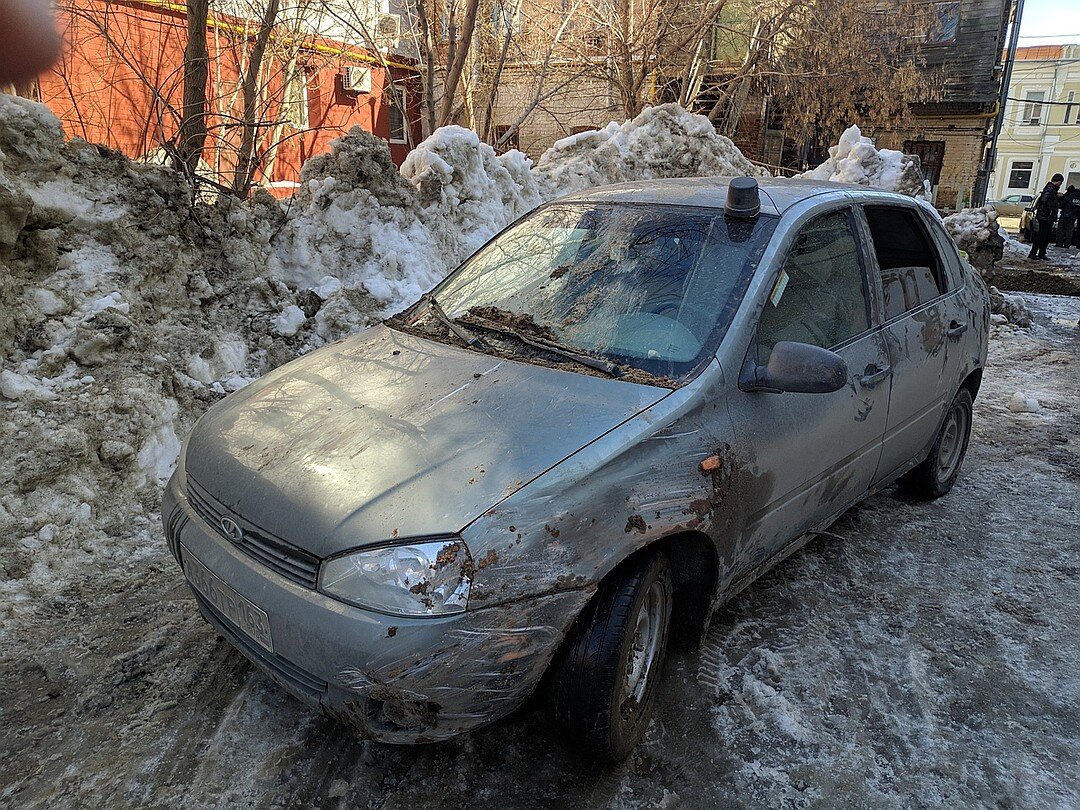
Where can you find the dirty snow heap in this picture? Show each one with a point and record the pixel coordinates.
(856, 160)
(664, 141)
(977, 232)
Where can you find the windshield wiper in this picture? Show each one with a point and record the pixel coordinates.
(444, 319)
(554, 348)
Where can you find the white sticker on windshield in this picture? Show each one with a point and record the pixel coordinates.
(778, 290)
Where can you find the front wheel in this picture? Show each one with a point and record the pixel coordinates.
(605, 684)
(936, 476)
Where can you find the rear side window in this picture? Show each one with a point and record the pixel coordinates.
(911, 273)
(820, 297)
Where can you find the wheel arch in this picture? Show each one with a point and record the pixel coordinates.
(694, 563)
(972, 382)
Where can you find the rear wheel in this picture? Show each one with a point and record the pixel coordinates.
(936, 476)
(605, 684)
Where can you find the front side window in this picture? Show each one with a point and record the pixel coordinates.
(911, 274)
(649, 287)
(820, 297)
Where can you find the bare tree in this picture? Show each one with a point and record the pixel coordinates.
(191, 134)
(250, 123)
(639, 44)
(823, 64)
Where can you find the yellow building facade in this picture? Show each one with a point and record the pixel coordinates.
(1041, 133)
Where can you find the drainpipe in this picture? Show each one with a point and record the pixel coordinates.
(982, 180)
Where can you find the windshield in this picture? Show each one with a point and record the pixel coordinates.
(648, 287)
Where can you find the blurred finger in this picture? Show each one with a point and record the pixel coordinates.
(29, 41)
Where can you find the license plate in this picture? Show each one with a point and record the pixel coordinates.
(247, 617)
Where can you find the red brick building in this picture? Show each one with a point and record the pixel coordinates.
(120, 83)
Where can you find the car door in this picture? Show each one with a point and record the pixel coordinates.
(818, 451)
(921, 324)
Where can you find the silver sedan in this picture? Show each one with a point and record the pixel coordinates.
(607, 421)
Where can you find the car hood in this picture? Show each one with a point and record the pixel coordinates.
(387, 435)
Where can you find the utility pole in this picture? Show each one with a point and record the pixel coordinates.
(982, 181)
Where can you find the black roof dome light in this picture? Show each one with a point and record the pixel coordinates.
(742, 198)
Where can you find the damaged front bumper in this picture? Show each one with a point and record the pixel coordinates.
(395, 679)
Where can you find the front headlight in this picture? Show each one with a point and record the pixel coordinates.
(428, 578)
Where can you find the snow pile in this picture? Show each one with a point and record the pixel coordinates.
(856, 160)
(977, 232)
(354, 232)
(664, 141)
(1011, 307)
(468, 193)
(1013, 247)
(1023, 403)
(393, 235)
(387, 236)
(124, 312)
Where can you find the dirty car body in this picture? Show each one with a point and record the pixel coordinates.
(500, 483)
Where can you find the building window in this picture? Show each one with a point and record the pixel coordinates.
(294, 99)
(1069, 109)
(1032, 113)
(944, 23)
(398, 106)
(1020, 174)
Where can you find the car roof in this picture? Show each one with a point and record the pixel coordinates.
(780, 193)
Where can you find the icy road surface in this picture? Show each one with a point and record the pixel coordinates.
(928, 658)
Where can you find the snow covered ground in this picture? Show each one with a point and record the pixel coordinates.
(928, 658)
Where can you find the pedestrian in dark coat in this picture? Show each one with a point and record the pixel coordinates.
(1046, 209)
(1070, 211)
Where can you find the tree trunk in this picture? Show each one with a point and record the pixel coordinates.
(487, 132)
(191, 134)
(624, 62)
(457, 64)
(245, 168)
(427, 35)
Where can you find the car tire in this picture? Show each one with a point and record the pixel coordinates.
(604, 686)
(936, 475)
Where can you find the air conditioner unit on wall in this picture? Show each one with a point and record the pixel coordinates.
(387, 30)
(356, 79)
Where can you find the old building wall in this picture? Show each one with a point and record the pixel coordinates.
(120, 80)
(959, 139)
(583, 104)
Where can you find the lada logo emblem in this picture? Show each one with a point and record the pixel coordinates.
(232, 529)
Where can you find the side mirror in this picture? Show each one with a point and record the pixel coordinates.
(796, 367)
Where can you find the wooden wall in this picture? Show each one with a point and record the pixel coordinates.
(970, 57)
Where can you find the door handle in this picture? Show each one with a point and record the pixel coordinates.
(956, 329)
(873, 375)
